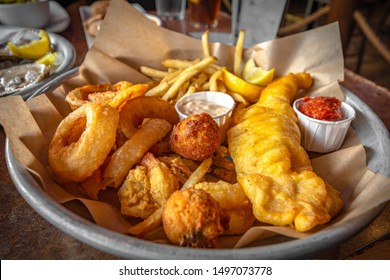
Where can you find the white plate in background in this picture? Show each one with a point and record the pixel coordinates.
(59, 18)
(61, 45)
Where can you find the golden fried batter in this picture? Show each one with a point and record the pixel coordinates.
(193, 218)
(134, 194)
(196, 137)
(146, 188)
(273, 169)
(234, 202)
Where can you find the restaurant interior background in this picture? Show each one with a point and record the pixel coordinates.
(373, 66)
(360, 54)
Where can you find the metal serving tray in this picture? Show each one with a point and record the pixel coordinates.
(370, 129)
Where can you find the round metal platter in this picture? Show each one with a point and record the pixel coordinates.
(62, 46)
(372, 133)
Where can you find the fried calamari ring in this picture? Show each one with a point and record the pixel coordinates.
(82, 142)
(137, 109)
(79, 96)
(127, 93)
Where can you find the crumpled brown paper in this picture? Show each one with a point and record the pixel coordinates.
(129, 40)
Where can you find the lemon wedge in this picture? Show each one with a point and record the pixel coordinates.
(257, 75)
(48, 59)
(235, 84)
(33, 50)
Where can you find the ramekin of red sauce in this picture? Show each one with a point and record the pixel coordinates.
(323, 121)
(324, 108)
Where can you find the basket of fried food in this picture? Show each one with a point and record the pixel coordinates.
(179, 174)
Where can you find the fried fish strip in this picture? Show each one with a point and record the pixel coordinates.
(132, 151)
(273, 169)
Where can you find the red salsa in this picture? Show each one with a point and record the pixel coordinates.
(322, 108)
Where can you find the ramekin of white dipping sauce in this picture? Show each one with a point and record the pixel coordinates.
(218, 104)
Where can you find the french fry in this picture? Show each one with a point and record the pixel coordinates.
(198, 174)
(182, 79)
(182, 91)
(170, 78)
(178, 63)
(187, 74)
(214, 80)
(205, 44)
(238, 53)
(191, 89)
(239, 98)
(150, 223)
(221, 86)
(153, 73)
(158, 90)
(199, 80)
(206, 86)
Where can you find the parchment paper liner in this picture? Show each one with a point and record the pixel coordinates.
(129, 40)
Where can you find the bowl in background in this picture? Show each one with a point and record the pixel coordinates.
(26, 14)
(323, 136)
(209, 98)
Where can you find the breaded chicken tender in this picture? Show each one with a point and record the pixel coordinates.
(272, 167)
(193, 218)
(196, 137)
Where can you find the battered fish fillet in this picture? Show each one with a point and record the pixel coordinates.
(273, 169)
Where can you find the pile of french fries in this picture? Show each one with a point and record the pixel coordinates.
(183, 77)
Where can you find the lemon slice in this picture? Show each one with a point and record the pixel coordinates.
(47, 59)
(33, 50)
(257, 75)
(235, 84)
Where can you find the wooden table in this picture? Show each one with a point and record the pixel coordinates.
(26, 235)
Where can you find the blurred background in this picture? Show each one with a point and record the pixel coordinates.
(360, 54)
(366, 53)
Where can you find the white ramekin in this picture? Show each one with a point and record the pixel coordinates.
(220, 98)
(29, 14)
(323, 136)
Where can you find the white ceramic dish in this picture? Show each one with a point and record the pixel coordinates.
(28, 14)
(59, 19)
(323, 136)
(371, 131)
(62, 45)
(51, 16)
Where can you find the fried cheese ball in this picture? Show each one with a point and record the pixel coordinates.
(196, 137)
(193, 218)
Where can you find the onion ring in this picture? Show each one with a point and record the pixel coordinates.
(82, 142)
(79, 96)
(137, 109)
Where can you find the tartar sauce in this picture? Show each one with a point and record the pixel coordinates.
(199, 106)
